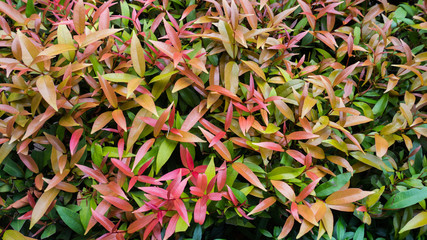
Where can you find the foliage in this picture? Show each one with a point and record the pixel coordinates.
(279, 119)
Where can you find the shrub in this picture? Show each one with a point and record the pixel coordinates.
(213, 119)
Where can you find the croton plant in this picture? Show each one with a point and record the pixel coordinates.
(206, 119)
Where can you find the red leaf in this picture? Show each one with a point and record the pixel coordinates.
(29, 162)
(142, 151)
(180, 208)
(141, 223)
(296, 155)
(75, 137)
(119, 203)
(170, 230)
(224, 92)
(161, 120)
(193, 117)
(96, 174)
(270, 145)
(344, 73)
(200, 210)
(105, 222)
(307, 190)
(122, 167)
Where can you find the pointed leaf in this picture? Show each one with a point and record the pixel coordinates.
(247, 173)
(42, 205)
(47, 89)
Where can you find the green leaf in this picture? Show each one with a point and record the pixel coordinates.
(406, 198)
(70, 218)
(380, 105)
(333, 185)
(283, 172)
(165, 151)
(360, 233)
(210, 170)
(399, 14)
(29, 8)
(113, 152)
(240, 196)
(181, 225)
(119, 77)
(49, 231)
(14, 235)
(371, 160)
(197, 235)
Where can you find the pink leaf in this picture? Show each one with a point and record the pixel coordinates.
(75, 137)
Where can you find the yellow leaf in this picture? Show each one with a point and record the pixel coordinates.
(309, 103)
(64, 37)
(137, 56)
(14, 235)
(42, 205)
(232, 77)
(57, 49)
(47, 89)
(305, 227)
(132, 85)
(101, 121)
(254, 66)
(416, 222)
(147, 102)
(5, 149)
(29, 51)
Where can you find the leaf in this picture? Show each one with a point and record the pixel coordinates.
(105, 222)
(119, 77)
(47, 89)
(266, 203)
(142, 151)
(284, 189)
(371, 160)
(255, 67)
(231, 79)
(141, 222)
(308, 104)
(165, 151)
(57, 49)
(219, 146)
(344, 74)
(270, 145)
(108, 91)
(418, 221)
(356, 120)
(406, 198)
(75, 138)
(333, 185)
(12, 234)
(119, 203)
(12, 12)
(119, 118)
(301, 135)
(381, 145)
(347, 196)
(5, 149)
(307, 190)
(70, 218)
(96, 174)
(250, 13)
(147, 102)
(380, 106)
(98, 35)
(79, 17)
(137, 55)
(28, 161)
(101, 121)
(247, 173)
(65, 38)
(284, 172)
(287, 227)
(184, 137)
(42, 205)
(360, 233)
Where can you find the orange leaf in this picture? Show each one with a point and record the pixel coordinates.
(219, 146)
(79, 17)
(12, 12)
(287, 227)
(255, 67)
(307, 214)
(108, 91)
(266, 203)
(305, 227)
(284, 189)
(300, 135)
(308, 104)
(328, 222)
(161, 121)
(381, 145)
(42, 205)
(119, 203)
(101, 121)
(250, 13)
(47, 90)
(247, 173)
(183, 137)
(344, 73)
(57, 179)
(147, 102)
(119, 118)
(347, 196)
(356, 120)
(29, 162)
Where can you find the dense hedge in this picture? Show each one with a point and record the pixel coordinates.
(204, 119)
